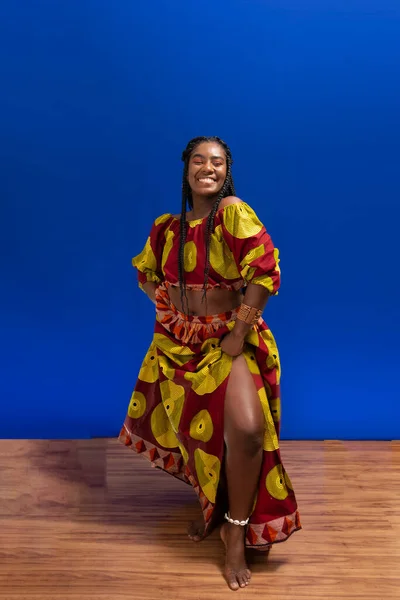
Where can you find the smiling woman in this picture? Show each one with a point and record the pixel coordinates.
(206, 406)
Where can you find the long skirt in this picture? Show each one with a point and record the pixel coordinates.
(176, 414)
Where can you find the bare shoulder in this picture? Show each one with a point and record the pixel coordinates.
(230, 200)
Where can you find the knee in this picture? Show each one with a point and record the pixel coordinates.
(251, 439)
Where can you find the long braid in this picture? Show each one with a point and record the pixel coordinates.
(186, 200)
(182, 240)
(228, 189)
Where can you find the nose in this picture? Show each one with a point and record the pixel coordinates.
(208, 167)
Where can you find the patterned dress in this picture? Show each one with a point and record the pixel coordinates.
(176, 413)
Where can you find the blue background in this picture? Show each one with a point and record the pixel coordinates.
(98, 99)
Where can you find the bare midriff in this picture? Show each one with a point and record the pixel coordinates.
(219, 300)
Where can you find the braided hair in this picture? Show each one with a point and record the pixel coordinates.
(228, 189)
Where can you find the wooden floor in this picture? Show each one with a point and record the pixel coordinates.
(91, 520)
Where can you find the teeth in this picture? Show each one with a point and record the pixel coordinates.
(207, 180)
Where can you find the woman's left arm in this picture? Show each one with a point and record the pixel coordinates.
(256, 296)
(258, 262)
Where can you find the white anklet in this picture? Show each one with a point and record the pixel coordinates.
(235, 522)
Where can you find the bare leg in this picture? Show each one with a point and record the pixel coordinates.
(244, 431)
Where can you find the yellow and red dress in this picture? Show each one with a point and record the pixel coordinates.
(176, 413)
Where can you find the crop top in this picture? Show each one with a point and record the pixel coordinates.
(241, 252)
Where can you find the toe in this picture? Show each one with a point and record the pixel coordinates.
(245, 577)
(232, 580)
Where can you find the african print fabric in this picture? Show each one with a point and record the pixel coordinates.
(176, 413)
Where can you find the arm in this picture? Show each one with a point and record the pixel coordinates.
(258, 262)
(149, 289)
(256, 296)
(148, 262)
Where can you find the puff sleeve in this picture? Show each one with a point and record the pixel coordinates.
(256, 257)
(148, 262)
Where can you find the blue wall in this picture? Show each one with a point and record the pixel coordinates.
(97, 101)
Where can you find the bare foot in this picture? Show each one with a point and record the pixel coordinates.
(196, 530)
(237, 573)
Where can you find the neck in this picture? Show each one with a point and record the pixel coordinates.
(202, 206)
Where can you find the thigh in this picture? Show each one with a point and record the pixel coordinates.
(243, 410)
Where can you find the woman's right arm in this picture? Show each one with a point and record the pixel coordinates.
(148, 262)
(149, 289)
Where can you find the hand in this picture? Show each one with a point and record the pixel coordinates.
(232, 344)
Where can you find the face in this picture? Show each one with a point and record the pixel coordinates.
(207, 169)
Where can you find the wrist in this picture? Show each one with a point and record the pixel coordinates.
(240, 330)
(249, 315)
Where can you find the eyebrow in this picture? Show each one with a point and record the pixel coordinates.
(202, 156)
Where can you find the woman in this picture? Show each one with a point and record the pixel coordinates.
(206, 405)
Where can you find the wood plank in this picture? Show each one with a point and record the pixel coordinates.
(91, 520)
